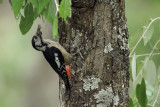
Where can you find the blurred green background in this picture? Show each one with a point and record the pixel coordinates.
(26, 79)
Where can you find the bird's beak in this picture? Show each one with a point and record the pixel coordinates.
(39, 33)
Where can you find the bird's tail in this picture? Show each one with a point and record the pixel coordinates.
(67, 83)
(65, 77)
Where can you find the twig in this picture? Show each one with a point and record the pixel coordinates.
(143, 34)
(145, 55)
(57, 5)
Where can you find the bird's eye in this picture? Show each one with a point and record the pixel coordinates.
(36, 37)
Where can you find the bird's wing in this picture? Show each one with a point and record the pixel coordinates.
(56, 60)
(58, 57)
(67, 59)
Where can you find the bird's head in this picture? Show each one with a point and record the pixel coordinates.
(37, 41)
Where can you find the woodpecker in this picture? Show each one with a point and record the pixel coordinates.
(55, 54)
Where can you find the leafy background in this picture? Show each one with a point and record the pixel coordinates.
(26, 80)
(144, 26)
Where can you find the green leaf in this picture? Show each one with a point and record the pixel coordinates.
(34, 3)
(51, 14)
(158, 77)
(1, 1)
(35, 13)
(148, 35)
(141, 93)
(16, 6)
(65, 9)
(27, 20)
(40, 4)
(158, 46)
(55, 27)
(45, 13)
(150, 74)
(134, 67)
(130, 71)
(149, 91)
(131, 89)
(131, 103)
(150, 69)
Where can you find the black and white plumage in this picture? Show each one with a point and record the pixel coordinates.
(55, 54)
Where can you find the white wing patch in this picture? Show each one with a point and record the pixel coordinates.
(57, 60)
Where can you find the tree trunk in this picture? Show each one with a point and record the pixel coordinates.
(97, 38)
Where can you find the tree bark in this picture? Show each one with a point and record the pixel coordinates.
(97, 38)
